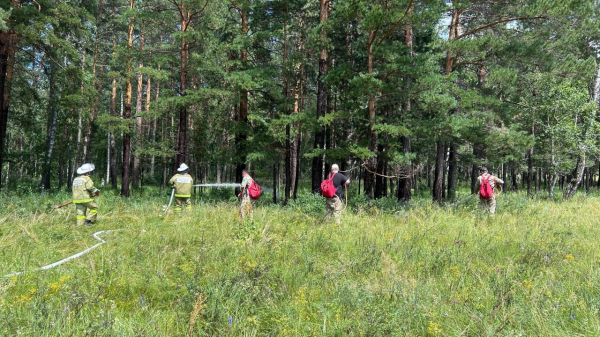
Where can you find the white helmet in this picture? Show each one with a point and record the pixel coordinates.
(85, 168)
(182, 167)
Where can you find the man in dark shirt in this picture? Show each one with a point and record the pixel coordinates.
(333, 206)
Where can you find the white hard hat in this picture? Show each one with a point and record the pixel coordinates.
(182, 167)
(85, 168)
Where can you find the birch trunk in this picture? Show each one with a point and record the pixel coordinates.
(577, 175)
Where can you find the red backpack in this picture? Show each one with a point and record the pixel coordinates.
(486, 191)
(254, 190)
(327, 188)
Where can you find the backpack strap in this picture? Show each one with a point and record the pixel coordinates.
(331, 175)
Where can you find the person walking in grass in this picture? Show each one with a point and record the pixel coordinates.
(83, 195)
(333, 206)
(246, 206)
(182, 183)
(485, 187)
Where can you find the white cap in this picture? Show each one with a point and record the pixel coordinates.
(85, 168)
(182, 167)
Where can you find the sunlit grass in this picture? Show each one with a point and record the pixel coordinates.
(532, 270)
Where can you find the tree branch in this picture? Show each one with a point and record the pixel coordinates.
(199, 11)
(410, 4)
(499, 21)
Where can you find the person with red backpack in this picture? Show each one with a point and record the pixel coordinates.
(333, 198)
(485, 188)
(247, 201)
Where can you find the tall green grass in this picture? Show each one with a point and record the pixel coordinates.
(386, 270)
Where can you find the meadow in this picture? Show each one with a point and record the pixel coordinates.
(386, 270)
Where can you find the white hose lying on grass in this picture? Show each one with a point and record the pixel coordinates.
(81, 253)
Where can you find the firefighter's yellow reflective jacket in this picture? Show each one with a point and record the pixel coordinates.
(83, 189)
(183, 185)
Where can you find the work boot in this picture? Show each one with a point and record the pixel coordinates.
(88, 223)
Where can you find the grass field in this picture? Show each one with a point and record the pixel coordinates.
(533, 270)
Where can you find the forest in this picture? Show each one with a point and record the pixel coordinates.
(410, 98)
(402, 94)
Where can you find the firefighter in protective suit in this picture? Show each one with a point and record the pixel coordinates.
(83, 195)
(182, 183)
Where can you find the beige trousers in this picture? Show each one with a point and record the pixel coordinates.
(333, 207)
(247, 207)
(488, 205)
(82, 211)
(180, 203)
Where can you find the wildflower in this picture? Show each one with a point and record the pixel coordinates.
(433, 329)
(230, 321)
(54, 287)
(569, 257)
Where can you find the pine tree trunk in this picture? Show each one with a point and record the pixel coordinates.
(98, 86)
(242, 117)
(82, 139)
(298, 141)
(288, 145)
(404, 183)
(445, 172)
(538, 180)
(439, 172)
(515, 180)
(135, 182)
(180, 157)
(127, 115)
(274, 183)
(319, 143)
(154, 128)
(111, 138)
(7, 61)
(371, 163)
(452, 171)
(50, 130)
(529, 171)
(379, 179)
